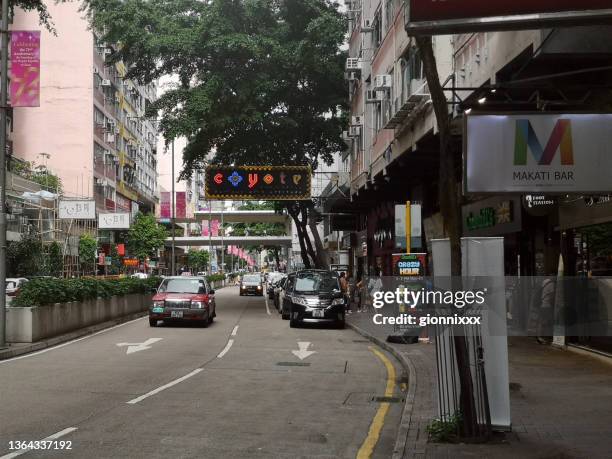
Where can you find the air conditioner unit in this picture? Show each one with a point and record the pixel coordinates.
(117, 130)
(96, 71)
(354, 131)
(106, 82)
(353, 76)
(356, 120)
(108, 51)
(101, 182)
(367, 25)
(110, 138)
(382, 82)
(372, 97)
(353, 63)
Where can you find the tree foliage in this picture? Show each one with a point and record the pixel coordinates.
(40, 7)
(25, 258)
(87, 253)
(197, 260)
(145, 237)
(260, 81)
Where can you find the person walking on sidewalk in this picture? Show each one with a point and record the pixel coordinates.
(374, 285)
(344, 287)
(358, 293)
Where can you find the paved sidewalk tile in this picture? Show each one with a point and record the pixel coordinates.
(561, 402)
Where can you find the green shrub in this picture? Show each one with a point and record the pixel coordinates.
(444, 431)
(40, 292)
(215, 278)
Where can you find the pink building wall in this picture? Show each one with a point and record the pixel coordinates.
(63, 124)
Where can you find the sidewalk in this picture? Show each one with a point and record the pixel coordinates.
(561, 402)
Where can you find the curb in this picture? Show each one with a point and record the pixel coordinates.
(404, 427)
(40, 345)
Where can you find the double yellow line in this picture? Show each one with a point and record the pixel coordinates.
(367, 448)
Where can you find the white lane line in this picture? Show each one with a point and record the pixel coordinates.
(55, 436)
(226, 349)
(25, 356)
(164, 387)
(235, 330)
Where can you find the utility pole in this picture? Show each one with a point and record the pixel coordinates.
(210, 257)
(3, 114)
(173, 215)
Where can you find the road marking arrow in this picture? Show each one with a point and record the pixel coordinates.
(136, 347)
(303, 352)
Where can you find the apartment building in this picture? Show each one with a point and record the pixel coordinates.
(392, 135)
(90, 123)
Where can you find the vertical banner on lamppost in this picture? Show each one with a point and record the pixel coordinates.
(214, 225)
(165, 211)
(181, 204)
(25, 68)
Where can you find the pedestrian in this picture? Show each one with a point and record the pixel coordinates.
(359, 294)
(350, 294)
(547, 305)
(344, 287)
(374, 285)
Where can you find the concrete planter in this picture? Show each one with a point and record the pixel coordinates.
(31, 324)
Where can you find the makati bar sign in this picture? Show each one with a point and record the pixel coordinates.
(258, 182)
(453, 16)
(534, 153)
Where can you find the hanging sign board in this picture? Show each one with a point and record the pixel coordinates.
(114, 221)
(538, 153)
(278, 183)
(79, 210)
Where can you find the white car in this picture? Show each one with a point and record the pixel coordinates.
(14, 284)
(140, 275)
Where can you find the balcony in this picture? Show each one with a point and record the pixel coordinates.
(407, 104)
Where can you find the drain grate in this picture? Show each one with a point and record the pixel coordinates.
(293, 364)
(387, 399)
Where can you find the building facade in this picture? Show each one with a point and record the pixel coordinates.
(90, 123)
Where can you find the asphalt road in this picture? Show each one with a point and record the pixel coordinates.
(230, 390)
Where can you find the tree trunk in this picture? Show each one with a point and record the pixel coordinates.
(322, 260)
(450, 209)
(294, 212)
(304, 223)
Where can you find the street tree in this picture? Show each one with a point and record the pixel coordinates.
(451, 211)
(145, 237)
(87, 253)
(259, 81)
(197, 260)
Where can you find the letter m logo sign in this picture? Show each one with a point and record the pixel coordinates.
(560, 140)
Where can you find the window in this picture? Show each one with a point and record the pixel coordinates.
(377, 34)
(389, 13)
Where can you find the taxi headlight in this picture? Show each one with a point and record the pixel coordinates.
(198, 305)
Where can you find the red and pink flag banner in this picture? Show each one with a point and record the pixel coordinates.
(205, 228)
(181, 204)
(25, 68)
(165, 205)
(215, 228)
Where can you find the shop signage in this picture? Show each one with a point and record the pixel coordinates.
(492, 217)
(345, 243)
(79, 210)
(401, 216)
(409, 264)
(258, 182)
(538, 153)
(339, 268)
(539, 205)
(25, 68)
(131, 262)
(114, 221)
(453, 16)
